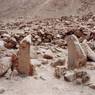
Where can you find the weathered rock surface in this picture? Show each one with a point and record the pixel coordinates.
(70, 76)
(89, 52)
(76, 55)
(24, 65)
(4, 65)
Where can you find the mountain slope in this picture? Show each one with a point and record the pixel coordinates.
(45, 8)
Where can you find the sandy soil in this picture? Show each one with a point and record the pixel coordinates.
(43, 82)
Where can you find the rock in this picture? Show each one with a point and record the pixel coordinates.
(1, 44)
(48, 54)
(82, 77)
(89, 52)
(78, 81)
(44, 61)
(92, 85)
(2, 91)
(24, 63)
(10, 43)
(5, 64)
(60, 71)
(58, 62)
(69, 76)
(76, 55)
(85, 79)
(80, 74)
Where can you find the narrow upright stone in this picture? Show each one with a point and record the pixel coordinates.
(76, 54)
(24, 65)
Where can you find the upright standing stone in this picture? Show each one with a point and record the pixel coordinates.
(24, 65)
(76, 55)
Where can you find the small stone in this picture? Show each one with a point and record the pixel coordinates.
(2, 91)
(48, 54)
(10, 43)
(58, 62)
(83, 76)
(85, 79)
(78, 81)
(44, 61)
(69, 76)
(80, 74)
(92, 85)
(60, 71)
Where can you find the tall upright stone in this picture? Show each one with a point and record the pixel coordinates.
(24, 65)
(76, 54)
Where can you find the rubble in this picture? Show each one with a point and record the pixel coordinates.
(76, 55)
(50, 46)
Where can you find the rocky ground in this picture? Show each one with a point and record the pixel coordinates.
(48, 50)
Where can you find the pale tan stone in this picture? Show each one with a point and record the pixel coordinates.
(89, 52)
(76, 54)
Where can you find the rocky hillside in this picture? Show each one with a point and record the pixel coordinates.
(45, 8)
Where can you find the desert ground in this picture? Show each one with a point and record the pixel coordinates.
(60, 34)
